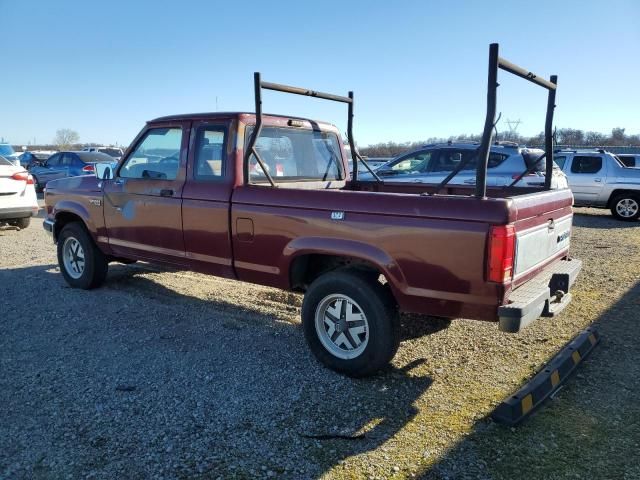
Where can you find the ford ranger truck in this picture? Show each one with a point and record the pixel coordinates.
(267, 199)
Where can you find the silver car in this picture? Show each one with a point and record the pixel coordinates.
(597, 178)
(432, 163)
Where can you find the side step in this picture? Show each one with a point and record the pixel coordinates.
(548, 380)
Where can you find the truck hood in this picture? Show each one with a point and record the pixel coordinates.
(84, 183)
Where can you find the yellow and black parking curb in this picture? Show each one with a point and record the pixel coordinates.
(518, 406)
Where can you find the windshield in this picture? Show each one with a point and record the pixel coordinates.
(6, 150)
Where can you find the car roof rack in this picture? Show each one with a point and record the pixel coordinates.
(251, 148)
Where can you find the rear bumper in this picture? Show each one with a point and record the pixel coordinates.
(545, 295)
(17, 212)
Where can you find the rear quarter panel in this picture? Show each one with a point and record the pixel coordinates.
(430, 249)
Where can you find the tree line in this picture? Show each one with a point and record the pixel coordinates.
(563, 136)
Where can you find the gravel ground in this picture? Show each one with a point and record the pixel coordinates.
(178, 375)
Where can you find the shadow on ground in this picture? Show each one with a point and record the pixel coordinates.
(586, 220)
(208, 387)
(591, 429)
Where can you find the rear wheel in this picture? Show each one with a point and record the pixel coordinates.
(21, 223)
(351, 322)
(626, 207)
(81, 262)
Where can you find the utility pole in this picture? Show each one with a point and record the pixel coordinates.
(513, 128)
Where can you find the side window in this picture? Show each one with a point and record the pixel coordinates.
(54, 161)
(209, 158)
(586, 164)
(560, 160)
(156, 157)
(68, 160)
(413, 164)
(296, 155)
(495, 159)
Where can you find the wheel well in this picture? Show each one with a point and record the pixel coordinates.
(306, 268)
(64, 218)
(616, 193)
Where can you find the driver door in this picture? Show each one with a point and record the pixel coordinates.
(143, 202)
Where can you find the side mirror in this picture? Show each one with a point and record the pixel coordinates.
(105, 171)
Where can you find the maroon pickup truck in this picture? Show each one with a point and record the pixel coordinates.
(268, 199)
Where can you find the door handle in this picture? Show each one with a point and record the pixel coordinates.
(166, 192)
(471, 181)
(118, 181)
(597, 180)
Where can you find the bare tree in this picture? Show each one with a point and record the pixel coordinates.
(65, 138)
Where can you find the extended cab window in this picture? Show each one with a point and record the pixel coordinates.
(209, 160)
(559, 160)
(586, 164)
(296, 155)
(157, 156)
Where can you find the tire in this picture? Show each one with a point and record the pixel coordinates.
(626, 207)
(21, 223)
(88, 274)
(348, 293)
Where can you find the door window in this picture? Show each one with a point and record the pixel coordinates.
(209, 160)
(413, 164)
(68, 160)
(157, 155)
(54, 161)
(583, 164)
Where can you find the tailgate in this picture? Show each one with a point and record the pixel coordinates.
(543, 230)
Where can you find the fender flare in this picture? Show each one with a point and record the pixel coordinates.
(344, 248)
(68, 206)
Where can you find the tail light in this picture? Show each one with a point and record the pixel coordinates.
(89, 168)
(502, 239)
(21, 176)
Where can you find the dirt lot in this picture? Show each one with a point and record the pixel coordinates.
(177, 375)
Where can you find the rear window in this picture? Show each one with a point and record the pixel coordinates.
(4, 161)
(296, 155)
(628, 160)
(583, 164)
(112, 152)
(94, 157)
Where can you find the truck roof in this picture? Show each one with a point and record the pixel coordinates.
(220, 115)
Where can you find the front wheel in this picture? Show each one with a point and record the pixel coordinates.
(350, 322)
(626, 207)
(81, 262)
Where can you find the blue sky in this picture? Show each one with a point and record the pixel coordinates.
(418, 68)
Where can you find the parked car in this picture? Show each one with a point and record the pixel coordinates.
(273, 205)
(115, 152)
(432, 163)
(18, 200)
(374, 163)
(32, 159)
(598, 179)
(8, 153)
(67, 164)
(631, 160)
